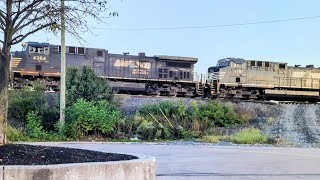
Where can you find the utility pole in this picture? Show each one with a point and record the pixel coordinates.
(63, 66)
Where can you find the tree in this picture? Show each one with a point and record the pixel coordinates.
(21, 18)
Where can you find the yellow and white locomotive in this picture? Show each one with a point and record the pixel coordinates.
(254, 79)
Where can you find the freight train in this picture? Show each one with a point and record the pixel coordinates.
(255, 79)
(153, 75)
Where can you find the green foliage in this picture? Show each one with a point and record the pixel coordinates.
(211, 139)
(87, 85)
(249, 136)
(162, 120)
(14, 135)
(245, 136)
(84, 118)
(21, 102)
(216, 114)
(174, 120)
(34, 127)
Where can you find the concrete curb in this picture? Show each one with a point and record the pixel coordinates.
(138, 169)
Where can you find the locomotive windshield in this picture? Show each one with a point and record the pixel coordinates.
(226, 62)
(38, 48)
(223, 63)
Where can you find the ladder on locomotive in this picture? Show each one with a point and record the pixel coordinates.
(199, 88)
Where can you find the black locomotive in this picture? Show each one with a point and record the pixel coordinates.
(163, 75)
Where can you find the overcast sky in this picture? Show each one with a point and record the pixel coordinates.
(295, 42)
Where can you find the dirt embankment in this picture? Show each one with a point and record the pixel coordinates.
(297, 124)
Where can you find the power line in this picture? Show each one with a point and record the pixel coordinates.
(212, 26)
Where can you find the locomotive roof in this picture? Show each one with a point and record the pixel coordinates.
(177, 58)
(241, 60)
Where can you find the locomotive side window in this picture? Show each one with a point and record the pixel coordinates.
(160, 73)
(267, 64)
(282, 66)
(179, 64)
(185, 75)
(253, 63)
(72, 50)
(259, 63)
(237, 79)
(38, 50)
(180, 74)
(80, 50)
(170, 74)
(165, 73)
(238, 65)
(99, 53)
(188, 75)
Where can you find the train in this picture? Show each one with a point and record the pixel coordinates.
(231, 78)
(256, 79)
(151, 75)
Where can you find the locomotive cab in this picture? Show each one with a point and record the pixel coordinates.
(34, 59)
(217, 75)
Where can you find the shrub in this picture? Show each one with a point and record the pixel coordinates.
(21, 102)
(85, 84)
(164, 120)
(216, 114)
(249, 136)
(15, 134)
(34, 127)
(86, 118)
(174, 120)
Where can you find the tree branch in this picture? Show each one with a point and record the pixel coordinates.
(31, 5)
(19, 26)
(20, 38)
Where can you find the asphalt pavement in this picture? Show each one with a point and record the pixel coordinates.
(218, 162)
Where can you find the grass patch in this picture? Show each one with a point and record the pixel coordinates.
(245, 136)
(14, 135)
(211, 139)
(249, 136)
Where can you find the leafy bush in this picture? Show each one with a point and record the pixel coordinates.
(249, 136)
(85, 118)
(173, 120)
(15, 134)
(216, 114)
(164, 120)
(21, 102)
(35, 129)
(85, 84)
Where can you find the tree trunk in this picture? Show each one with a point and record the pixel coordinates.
(4, 79)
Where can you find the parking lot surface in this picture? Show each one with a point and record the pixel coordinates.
(218, 162)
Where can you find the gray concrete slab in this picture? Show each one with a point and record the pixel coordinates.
(1, 172)
(219, 162)
(138, 169)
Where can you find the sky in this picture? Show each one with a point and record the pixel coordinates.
(294, 42)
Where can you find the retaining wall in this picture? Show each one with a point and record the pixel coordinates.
(138, 169)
